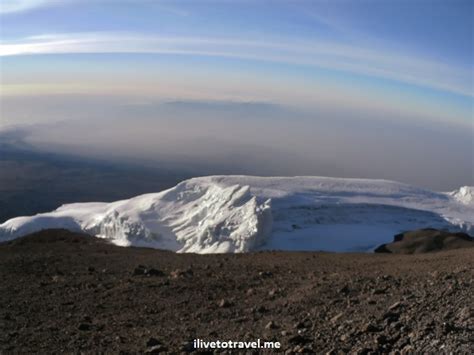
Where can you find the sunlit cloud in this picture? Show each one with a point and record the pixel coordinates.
(322, 54)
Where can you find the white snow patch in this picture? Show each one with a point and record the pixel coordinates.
(220, 214)
(464, 194)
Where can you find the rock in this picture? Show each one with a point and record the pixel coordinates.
(156, 349)
(336, 317)
(381, 339)
(307, 349)
(272, 292)
(155, 272)
(84, 326)
(426, 240)
(265, 274)
(139, 270)
(391, 316)
(408, 349)
(303, 324)
(223, 303)
(414, 336)
(152, 342)
(344, 337)
(396, 325)
(465, 314)
(395, 306)
(178, 273)
(447, 327)
(271, 325)
(155, 346)
(298, 339)
(370, 328)
(344, 290)
(363, 351)
(188, 346)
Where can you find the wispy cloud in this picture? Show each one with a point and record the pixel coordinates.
(10, 6)
(324, 54)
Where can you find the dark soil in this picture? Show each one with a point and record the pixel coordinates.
(66, 292)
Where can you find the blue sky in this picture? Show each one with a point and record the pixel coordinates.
(425, 43)
(406, 62)
(442, 29)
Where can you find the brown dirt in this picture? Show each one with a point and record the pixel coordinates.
(65, 292)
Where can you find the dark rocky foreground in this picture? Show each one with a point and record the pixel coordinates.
(64, 292)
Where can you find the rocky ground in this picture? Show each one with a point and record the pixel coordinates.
(64, 292)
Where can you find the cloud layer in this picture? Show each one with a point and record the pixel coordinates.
(9, 6)
(322, 54)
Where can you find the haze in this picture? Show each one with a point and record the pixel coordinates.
(379, 90)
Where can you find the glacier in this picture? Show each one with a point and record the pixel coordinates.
(232, 214)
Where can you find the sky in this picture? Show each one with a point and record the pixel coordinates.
(349, 88)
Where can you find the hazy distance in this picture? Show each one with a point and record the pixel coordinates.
(258, 138)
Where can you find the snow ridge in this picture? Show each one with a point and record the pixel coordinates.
(222, 214)
(191, 217)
